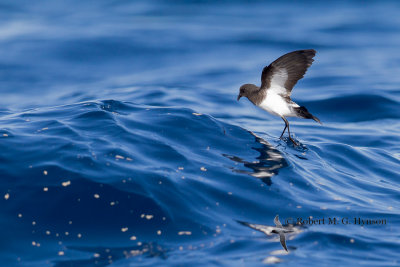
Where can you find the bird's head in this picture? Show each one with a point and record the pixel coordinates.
(246, 90)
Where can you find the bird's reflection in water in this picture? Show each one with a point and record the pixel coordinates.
(267, 164)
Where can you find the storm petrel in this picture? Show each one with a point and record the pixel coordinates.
(279, 229)
(281, 232)
(277, 82)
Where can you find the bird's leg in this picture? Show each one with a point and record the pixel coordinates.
(286, 124)
(288, 129)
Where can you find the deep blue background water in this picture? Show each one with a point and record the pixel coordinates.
(122, 143)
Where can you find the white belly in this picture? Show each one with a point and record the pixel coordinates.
(277, 105)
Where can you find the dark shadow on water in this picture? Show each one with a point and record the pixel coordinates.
(267, 164)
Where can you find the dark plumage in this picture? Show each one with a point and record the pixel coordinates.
(296, 64)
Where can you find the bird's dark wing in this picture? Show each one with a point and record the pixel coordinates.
(283, 240)
(259, 227)
(282, 74)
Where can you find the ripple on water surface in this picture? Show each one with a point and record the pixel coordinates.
(105, 181)
(127, 175)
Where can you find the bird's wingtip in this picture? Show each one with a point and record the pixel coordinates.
(242, 222)
(317, 120)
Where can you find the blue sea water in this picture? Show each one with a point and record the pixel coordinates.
(122, 143)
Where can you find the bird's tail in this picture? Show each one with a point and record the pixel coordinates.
(303, 113)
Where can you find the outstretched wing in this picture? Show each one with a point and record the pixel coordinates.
(283, 240)
(259, 227)
(277, 222)
(282, 74)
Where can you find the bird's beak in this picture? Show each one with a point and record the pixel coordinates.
(239, 96)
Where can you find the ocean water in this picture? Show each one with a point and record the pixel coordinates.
(122, 143)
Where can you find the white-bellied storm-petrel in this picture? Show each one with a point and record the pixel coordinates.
(279, 229)
(277, 82)
(281, 232)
